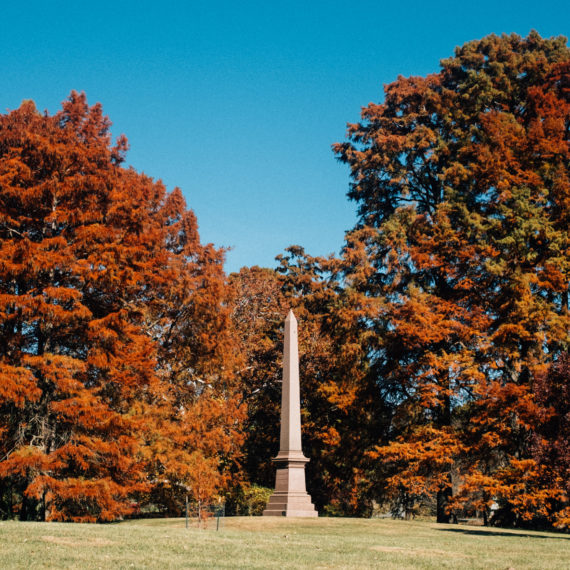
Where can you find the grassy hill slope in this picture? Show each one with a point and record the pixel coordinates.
(243, 542)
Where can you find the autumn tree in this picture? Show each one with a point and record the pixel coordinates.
(341, 417)
(115, 359)
(463, 190)
(258, 304)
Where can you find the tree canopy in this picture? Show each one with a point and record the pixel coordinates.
(463, 185)
(116, 366)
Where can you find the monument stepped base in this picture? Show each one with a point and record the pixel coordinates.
(306, 514)
(290, 505)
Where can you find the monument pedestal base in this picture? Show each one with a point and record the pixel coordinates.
(287, 505)
(290, 498)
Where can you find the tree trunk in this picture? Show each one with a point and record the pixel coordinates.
(28, 511)
(443, 496)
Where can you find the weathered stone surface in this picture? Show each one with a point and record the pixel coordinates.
(290, 498)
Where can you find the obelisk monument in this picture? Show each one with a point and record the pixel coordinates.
(290, 498)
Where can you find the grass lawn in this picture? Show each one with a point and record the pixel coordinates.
(261, 542)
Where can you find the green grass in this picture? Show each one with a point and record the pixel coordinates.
(261, 542)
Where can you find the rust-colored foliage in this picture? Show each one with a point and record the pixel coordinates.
(115, 360)
(340, 415)
(463, 185)
(258, 306)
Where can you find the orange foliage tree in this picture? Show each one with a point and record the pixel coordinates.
(341, 417)
(463, 185)
(258, 306)
(116, 364)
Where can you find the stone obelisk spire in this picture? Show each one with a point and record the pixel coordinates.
(290, 498)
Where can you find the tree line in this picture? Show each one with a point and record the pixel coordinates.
(434, 347)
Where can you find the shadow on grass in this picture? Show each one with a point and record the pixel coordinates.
(501, 533)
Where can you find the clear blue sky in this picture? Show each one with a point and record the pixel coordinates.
(237, 103)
